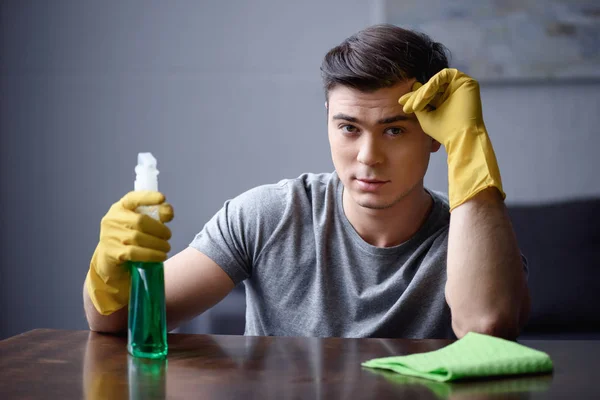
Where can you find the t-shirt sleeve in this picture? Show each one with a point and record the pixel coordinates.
(235, 236)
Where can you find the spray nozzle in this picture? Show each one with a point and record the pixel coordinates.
(146, 174)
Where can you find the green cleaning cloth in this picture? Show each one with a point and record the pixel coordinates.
(473, 356)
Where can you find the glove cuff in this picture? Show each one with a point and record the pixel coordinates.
(472, 166)
(107, 298)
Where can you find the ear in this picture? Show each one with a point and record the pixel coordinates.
(435, 145)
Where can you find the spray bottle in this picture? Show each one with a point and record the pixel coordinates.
(147, 326)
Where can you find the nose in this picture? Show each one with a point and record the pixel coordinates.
(370, 152)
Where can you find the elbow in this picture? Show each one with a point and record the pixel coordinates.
(115, 323)
(111, 326)
(502, 326)
(104, 328)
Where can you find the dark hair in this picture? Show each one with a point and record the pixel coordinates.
(381, 56)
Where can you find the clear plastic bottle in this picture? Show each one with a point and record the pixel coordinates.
(147, 325)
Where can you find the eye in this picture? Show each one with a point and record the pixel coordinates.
(394, 131)
(348, 128)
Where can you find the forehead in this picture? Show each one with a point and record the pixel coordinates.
(353, 101)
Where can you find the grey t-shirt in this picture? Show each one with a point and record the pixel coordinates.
(308, 273)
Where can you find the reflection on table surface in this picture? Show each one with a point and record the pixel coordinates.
(265, 367)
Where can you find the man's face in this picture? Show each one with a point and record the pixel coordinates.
(380, 153)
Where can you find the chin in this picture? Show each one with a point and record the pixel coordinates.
(368, 201)
(375, 206)
(380, 201)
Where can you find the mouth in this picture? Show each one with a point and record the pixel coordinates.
(370, 180)
(370, 185)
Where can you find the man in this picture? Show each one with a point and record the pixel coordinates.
(363, 251)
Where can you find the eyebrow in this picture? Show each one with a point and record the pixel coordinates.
(384, 121)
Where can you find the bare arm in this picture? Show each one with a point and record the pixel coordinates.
(193, 284)
(486, 288)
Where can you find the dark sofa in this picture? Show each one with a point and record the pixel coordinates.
(561, 242)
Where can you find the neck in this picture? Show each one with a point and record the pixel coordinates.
(390, 226)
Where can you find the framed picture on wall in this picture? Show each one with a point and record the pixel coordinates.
(496, 41)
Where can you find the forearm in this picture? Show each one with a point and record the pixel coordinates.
(113, 323)
(486, 287)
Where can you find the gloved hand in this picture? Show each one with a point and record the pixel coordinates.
(126, 236)
(448, 108)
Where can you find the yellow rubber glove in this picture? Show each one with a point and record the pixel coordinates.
(126, 236)
(448, 108)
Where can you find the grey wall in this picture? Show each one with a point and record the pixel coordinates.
(227, 96)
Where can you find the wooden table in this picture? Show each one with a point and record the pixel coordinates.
(54, 364)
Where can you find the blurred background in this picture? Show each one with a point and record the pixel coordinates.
(227, 95)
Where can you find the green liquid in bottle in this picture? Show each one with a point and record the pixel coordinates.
(147, 328)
